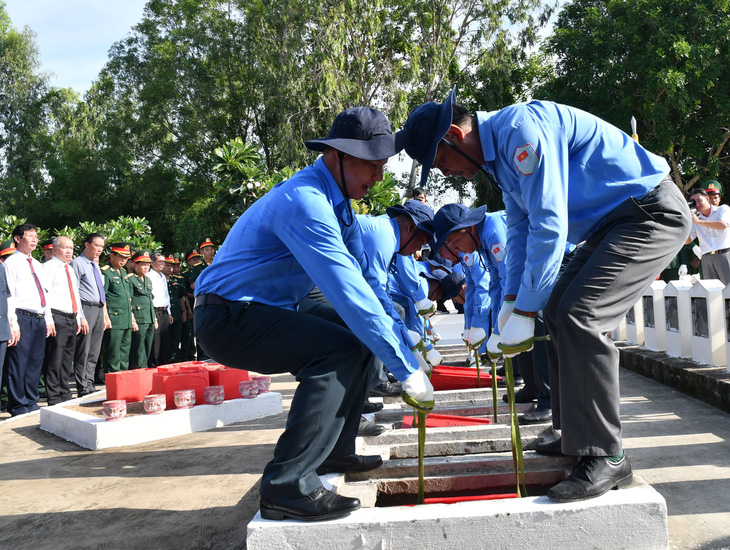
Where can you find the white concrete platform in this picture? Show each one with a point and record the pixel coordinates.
(96, 433)
(634, 518)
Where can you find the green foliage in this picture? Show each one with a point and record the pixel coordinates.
(664, 62)
(382, 195)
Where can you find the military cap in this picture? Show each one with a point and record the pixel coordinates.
(142, 256)
(206, 241)
(169, 259)
(7, 247)
(712, 186)
(192, 253)
(47, 245)
(123, 249)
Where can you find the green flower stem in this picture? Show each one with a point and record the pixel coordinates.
(494, 389)
(517, 454)
(422, 408)
(479, 377)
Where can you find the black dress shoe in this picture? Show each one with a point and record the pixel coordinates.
(592, 477)
(536, 415)
(369, 408)
(350, 463)
(368, 429)
(386, 389)
(550, 448)
(318, 505)
(521, 396)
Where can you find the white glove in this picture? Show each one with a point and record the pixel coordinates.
(697, 251)
(504, 313)
(416, 341)
(422, 363)
(433, 357)
(517, 330)
(682, 271)
(425, 308)
(474, 337)
(435, 336)
(471, 356)
(492, 348)
(418, 386)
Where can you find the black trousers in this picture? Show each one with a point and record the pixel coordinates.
(60, 356)
(160, 354)
(24, 364)
(329, 362)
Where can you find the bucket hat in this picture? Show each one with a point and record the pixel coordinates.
(425, 128)
(421, 214)
(453, 217)
(362, 132)
(450, 282)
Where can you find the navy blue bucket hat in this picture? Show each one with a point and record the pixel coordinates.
(450, 282)
(421, 214)
(425, 128)
(452, 217)
(361, 132)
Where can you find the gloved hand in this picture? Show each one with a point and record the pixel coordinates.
(416, 340)
(418, 388)
(492, 347)
(697, 251)
(471, 357)
(422, 363)
(425, 308)
(517, 331)
(682, 271)
(433, 357)
(474, 337)
(504, 313)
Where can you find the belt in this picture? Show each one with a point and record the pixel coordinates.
(161, 309)
(63, 313)
(30, 313)
(721, 251)
(210, 300)
(92, 304)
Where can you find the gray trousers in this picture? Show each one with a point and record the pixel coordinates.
(716, 266)
(607, 276)
(88, 349)
(330, 364)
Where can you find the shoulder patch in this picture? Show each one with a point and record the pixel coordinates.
(525, 159)
(130, 275)
(107, 266)
(498, 251)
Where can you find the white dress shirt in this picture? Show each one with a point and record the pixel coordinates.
(59, 294)
(23, 290)
(712, 239)
(160, 292)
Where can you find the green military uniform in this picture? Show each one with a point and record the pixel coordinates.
(118, 339)
(177, 288)
(144, 314)
(190, 274)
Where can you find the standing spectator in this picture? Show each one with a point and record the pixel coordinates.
(68, 318)
(714, 191)
(710, 227)
(207, 249)
(47, 250)
(190, 274)
(9, 332)
(118, 338)
(178, 303)
(160, 353)
(93, 302)
(7, 249)
(29, 304)
(419, 194)
(143, 311)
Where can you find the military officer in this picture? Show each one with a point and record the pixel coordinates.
(207, 249)
(7, 249)
(143, 310)
(178, 293)
(197, 265)
(118, 339)
(190, 274)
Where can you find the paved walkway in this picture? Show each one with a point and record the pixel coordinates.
(199, 491)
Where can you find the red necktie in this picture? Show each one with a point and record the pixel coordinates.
(71, 288)
(37, 283)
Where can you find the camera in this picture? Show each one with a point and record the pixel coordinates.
(692, 204)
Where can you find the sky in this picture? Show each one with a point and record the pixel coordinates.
(74, 36)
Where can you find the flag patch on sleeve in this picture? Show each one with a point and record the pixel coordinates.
(498, 251)
(525, 159)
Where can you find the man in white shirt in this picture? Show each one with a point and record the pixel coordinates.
(28, 307)
(68, 318)
(160, 354)
(710, 227)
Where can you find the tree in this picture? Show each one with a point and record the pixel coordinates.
(664, 62)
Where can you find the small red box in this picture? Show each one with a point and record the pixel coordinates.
(169, 383)
(130, 385)
(459, 378)
(446, 420)
(229, 379)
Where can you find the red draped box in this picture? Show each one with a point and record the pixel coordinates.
(446, 420)
(459, 378)
(130, 385)
(229, 379)
(169, 383)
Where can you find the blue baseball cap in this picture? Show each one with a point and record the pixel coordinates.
(450, 282)
(452, 217)
(421, 214)
(362, 132)
(425, 128)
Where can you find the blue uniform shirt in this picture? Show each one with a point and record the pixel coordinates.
(561, 171)
(293, 238)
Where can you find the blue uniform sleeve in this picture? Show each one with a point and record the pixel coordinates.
(408, 278)
(537, 209)
(317, 244)
(479, 299)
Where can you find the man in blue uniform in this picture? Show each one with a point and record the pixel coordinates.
(566, 176)
(251, 313)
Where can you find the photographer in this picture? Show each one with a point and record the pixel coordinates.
(709, 226)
